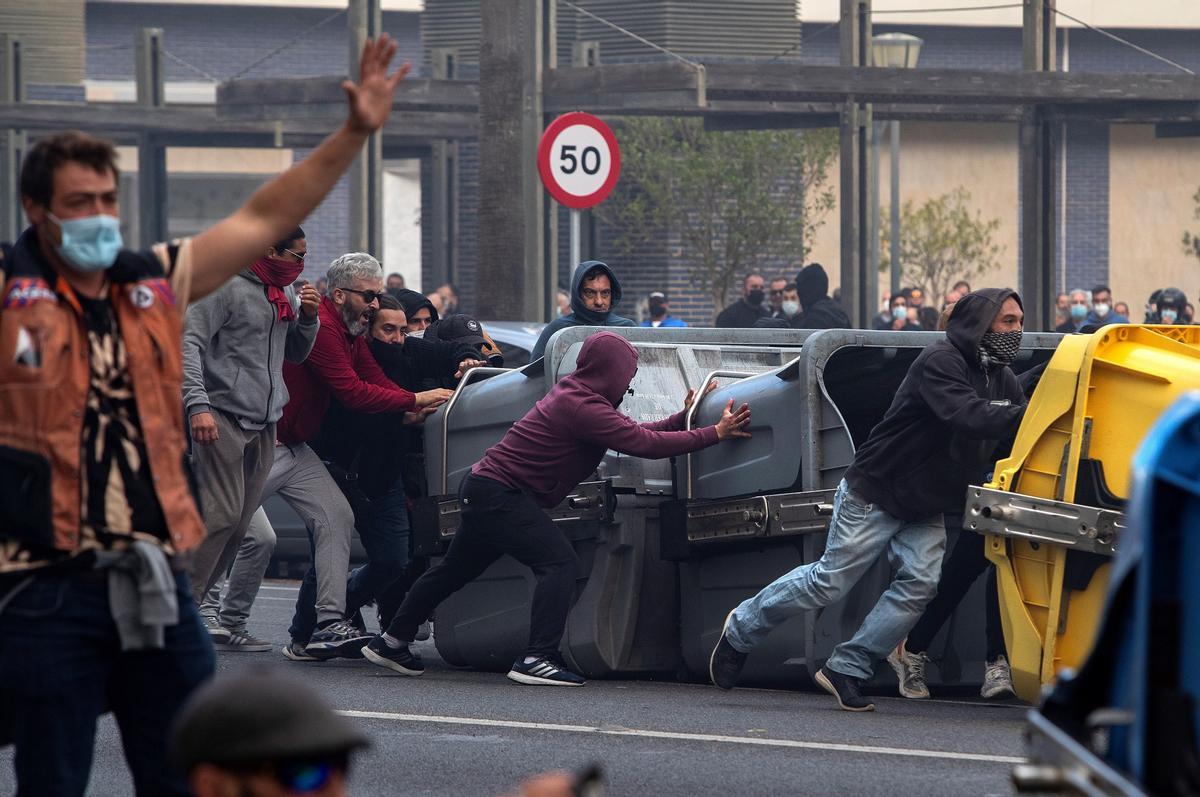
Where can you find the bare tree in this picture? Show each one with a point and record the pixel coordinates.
(736, 200)
(942, 242)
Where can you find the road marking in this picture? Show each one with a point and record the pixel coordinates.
(689, 737)
(281, 589)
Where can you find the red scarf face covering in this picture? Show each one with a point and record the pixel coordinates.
(277, 274)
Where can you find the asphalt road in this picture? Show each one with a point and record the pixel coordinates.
(455, 733)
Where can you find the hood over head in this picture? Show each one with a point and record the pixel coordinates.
(812, 284)
(606, 365)
(973, 315)
(413, 302)
(578, 307)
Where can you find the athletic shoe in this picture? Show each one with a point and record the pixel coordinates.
(400, 659)
(242, 642)
(997, 680)
(910, 672)
(726, 662)
(339, 638)
(543, 672)
(216, 632)
(424, 631)
(845, 688)
(295, 651)
(359, 622)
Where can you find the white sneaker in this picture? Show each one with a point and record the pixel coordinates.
(997, 680)
(910, 672)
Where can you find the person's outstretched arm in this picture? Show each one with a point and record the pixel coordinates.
(603, 425)
(278, 207)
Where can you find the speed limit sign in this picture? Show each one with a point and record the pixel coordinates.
(578, 160)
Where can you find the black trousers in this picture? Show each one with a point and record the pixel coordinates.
(964, 564)
(498, 520)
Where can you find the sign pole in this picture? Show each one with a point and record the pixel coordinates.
(576, 257)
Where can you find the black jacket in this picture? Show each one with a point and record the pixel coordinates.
(944, 423)
(824, 313)
(741, 315)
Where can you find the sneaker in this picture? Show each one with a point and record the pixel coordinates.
(400, 659)
(910, 672)
(543, 672)
(845, 688)
(216, 632)
(997, 680)
(295, 652)
(725, 663)
(424, 631)
(339, 638)
(359, 622)
(243, 642)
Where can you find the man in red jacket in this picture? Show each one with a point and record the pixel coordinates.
(319, 628)
(540, 460)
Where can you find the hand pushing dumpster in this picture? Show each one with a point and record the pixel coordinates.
(1054, 512)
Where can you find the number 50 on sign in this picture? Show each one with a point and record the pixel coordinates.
(578, 160)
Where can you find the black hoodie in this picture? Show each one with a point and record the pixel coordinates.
(581, 315)
(820, 312)
(944, 423)
(413, 302)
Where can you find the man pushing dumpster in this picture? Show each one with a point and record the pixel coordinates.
(534, 467)
(957, 401)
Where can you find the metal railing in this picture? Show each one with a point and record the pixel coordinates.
(466, 378)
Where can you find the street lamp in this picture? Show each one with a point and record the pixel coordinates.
(897, 51)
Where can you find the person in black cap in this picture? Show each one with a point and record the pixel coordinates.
(263, 734)
(660, 313)
(820, 312)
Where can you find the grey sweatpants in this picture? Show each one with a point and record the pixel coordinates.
(245, 577)
(302, 480)
(231, 473)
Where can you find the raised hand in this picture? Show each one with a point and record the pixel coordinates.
(310, 300)
(370, 99)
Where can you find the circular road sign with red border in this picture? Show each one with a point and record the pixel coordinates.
(578, 160)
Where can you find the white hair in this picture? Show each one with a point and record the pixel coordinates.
(353, 266)
(1087, 295)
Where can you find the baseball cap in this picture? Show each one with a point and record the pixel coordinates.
(658, 295)
(461, 328)
(257, 717)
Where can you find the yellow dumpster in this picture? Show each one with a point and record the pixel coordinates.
(1052, 514)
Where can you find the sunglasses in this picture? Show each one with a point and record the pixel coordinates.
(306, 775)
(368, 296)
(297, 255)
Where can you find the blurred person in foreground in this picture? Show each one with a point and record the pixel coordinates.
(94, 492)
(532, 469)
(595, 294)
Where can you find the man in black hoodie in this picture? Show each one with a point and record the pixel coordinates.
(957, 401)
(820, 312)
(595, 293)
(418, 311)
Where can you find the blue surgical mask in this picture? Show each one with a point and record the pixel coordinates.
(1079, 311)
(899, 312)
(1169, 316)
(90, 243)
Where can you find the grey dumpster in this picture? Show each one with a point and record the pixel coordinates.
(750, 512)
(626, 617)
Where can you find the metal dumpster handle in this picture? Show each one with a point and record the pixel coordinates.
(482, 370)
(690, 416)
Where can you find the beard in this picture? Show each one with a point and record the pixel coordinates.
(356, 323)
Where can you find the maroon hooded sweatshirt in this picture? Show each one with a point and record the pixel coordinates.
(562, 439)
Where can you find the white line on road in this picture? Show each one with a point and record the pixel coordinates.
(690, 737)
(281, 589)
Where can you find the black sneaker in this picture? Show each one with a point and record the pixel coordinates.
(543, 672)
(845, 688)
(339, 638)
(399, 659)
(726, 662)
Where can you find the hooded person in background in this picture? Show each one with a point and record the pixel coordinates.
(958, 399)
(533, 468)
(820, 312)
(418, 311)
(595, 293)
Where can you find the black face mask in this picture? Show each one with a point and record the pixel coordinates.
(657, 310)
(385, 353)
(998, 349)
(755, 296)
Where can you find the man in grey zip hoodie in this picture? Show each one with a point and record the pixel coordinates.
(234, 343)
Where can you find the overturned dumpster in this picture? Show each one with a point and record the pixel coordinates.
(1054, 512)
(627, 617)
(744, 517)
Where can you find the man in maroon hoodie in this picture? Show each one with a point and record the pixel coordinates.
(541, 459)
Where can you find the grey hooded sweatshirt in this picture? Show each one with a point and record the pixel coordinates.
(581, 315)
(234, 346)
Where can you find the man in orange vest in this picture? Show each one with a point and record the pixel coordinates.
(95, 506)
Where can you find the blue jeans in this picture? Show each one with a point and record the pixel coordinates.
(61, 667)
(382, 525)
(858, 533)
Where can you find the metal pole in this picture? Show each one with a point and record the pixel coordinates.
(12, 142)
(364, 20)
(152, 156)
(576, 248)
(897, 266)
(873, 256)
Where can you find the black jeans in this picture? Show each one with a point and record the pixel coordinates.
(61, 666)
(498, 520)
(964, 564)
